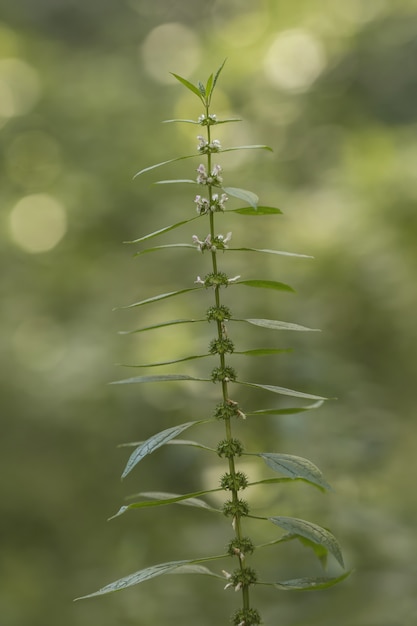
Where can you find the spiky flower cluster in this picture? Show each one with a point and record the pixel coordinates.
(207, 120)
(213, 178)
(216, 204)
(205, 147)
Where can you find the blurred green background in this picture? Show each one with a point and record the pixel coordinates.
(332, 87)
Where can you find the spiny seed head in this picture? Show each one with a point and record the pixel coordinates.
(240, 547)
(221, 346)
(230, 448)
(237, 509)
(219, 313)
(227, 410)
(234, 482)
(227, 374)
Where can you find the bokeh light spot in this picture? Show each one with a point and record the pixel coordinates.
(169, 47)
(294, 60)
(19, 87)
(37, 223)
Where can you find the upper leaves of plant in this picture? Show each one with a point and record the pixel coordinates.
(295, 467)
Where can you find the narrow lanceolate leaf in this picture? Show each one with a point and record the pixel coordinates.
(310, 584)
(262, 351)
(161, 325)
(282, 391)
(295, 467)
(287, 410)
(154, 167)
(252, 147)
(157, 379)
(276, 324)
(311, 531)
(195, 569)
(169, 245)
(256, 210)
(161, 231)
(209, 85)
(280, 252)
(226, 121)
(175, 181)
(161, 296)
(138, 577)
(187, 84)
(217, 74)
(243, 194)
(177, 442)
(186, 358)
(162, 499)
(265, 284)
(155, 442)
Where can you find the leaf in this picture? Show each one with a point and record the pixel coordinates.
(177, 180)
(252, 147)
(276, 325)
(282, 390)
(265, 284)
(248, 196)
(154, 167)
(310, 584)
(201, 89)
(162, 499)
(160, 325)
(311, 531)
(155, 442)
(263, 351)
(163, 230)
(178, 442)
(189, 85)
(217, 74)
(187, 358)
(180, 120)
(280, 252)
(257, 210)
(157, 379)
(195, 569)
(295, 467)
(138, 577)
(161, 296)
(169, 245)
(288, 410)
(209, 85)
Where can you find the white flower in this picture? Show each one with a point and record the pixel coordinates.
(199, 281)
(234, 279)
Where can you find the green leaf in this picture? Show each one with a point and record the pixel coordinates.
(282, 390)
(161, 325)
(310, 584)
(311, 531)
(154, 167)
(189, 85)
(217, 74)
(155, 442)
(265, 284)
(169, 245)
(209, 85)
(161, 296)
(158, 379)
(202, 89)
(186, 358)
(287, 410)
(252, 147)
(163, 230)
(180, 120)
(138, 577)
(280, 252)
(161, 499)
(195, 569)
(263, 351)
(276, 324)
(178, 442)
(243, 194)
(320, 551)
(295, 467)
(256, 210)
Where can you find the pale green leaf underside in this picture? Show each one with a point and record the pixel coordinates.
(157, 379)
(161, 325)
(226, 121)
(243, 194)
(160, 363)
(310, 584)
(169, 245)
(295, 467)
(276, 324)
(175, 181)
(161, 296)
(288, 410)
(311, 531)
(177, 442)
(256, 352)
(283, 391)
(161, 231)
(280, 252)
(265, 284)
(155, 442)
(172, 567)
(262, 351)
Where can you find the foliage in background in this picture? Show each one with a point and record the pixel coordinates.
(344, 165)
